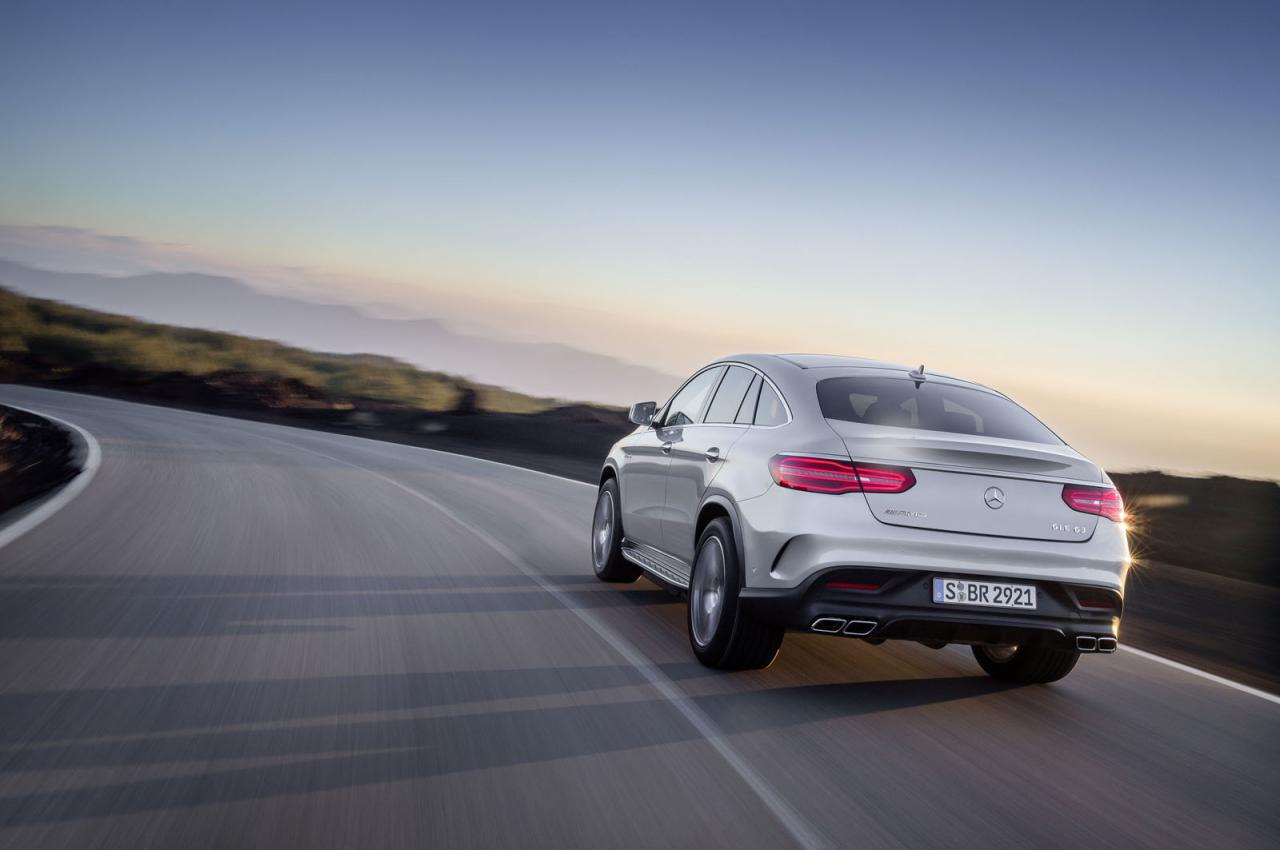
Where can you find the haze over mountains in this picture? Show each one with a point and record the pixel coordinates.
(225, 304)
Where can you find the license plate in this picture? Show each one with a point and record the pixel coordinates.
(987, 594)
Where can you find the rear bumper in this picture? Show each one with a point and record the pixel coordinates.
(902, 608)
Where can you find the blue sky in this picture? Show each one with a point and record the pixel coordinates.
(1078, 203)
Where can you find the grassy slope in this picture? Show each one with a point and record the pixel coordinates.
(45, 340)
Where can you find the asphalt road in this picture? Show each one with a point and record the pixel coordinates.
(243, 635)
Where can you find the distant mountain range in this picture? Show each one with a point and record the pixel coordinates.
(224, 304)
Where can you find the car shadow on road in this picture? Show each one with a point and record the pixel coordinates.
(330, 756)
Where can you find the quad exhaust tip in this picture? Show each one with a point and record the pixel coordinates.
(839, 625)
(1089, 643)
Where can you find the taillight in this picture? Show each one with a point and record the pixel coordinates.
(827, 475)
(885, 479)
(1103, 501)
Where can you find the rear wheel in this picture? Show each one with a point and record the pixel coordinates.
(606, 538)
(721, 633)
(1027, 665)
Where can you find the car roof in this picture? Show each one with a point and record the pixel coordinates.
(837, 363)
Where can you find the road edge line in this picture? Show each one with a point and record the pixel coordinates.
(1203, 674)
(61, 498)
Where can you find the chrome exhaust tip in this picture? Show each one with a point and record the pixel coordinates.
(828, 625)
(1106, 644)
(1086, 643)
(858, 628)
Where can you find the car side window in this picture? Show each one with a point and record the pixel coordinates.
(770, 410)
(724, 407)
(747, 412)
(687, 405)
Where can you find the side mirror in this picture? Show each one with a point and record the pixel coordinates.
(642, 412)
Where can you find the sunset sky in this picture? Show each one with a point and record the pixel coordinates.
(1079, 206)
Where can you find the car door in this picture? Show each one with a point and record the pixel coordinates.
(643, 486)
(646, 458)
(697, 453)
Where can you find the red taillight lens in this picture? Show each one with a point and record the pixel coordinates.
(827, 475)
(1103, 501)
(885, 479)
(815, 474)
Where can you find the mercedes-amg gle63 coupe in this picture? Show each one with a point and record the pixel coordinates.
(850, 497)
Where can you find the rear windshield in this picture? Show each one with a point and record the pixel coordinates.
(929, 406)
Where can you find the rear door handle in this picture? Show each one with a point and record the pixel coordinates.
(666, 448)
(712, 454)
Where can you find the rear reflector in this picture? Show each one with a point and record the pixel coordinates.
(1097, 599)
(827, 475)
(852, 585)
(1102, 501)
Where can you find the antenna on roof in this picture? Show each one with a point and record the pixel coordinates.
(917, 375)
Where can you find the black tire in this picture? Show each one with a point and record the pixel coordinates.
(1026, 665)
(735, 641)
(606, 551)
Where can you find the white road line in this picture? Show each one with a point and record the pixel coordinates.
(791, 820)
(69, 491)
(1203, 674)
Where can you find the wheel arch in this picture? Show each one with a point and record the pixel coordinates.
(716, 505)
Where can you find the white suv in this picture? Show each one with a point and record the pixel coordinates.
(851, 497)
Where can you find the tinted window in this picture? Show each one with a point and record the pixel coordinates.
(747, 412)
(688, 403)
(769, 410)
(930, 406)
(724, 407)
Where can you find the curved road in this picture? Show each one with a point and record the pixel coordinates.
(243, 635)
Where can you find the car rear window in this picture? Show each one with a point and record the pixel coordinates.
(929, 406)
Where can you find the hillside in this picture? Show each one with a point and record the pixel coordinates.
(1222, 525)
(232, 306)
(48, 342)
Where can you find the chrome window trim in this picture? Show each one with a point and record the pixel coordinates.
(702, 413)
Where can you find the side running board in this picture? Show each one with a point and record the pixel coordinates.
(657, 563)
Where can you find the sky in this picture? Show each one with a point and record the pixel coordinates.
(1078, 204)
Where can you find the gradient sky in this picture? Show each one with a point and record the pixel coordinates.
(1079, 205)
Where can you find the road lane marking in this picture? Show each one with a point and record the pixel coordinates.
(69, 491)
(804, 834)
(1203, 674)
